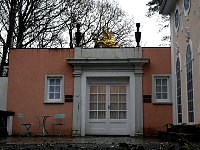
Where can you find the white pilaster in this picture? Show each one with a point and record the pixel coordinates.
(138, 100)
(76, 130)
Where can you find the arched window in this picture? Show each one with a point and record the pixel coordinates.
(176, 19)
(178, 91)
(189, 68)
(186, 5)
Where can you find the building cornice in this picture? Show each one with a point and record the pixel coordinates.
(91, 61)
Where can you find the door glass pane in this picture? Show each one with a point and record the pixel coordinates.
(93, 98)
(93, 106)
(122, 106)
(122, 115)
(102, 98)
(122, 98)
(118, 101)
(102, 88)
(113, 106)
(101, 106)
(114, 115)
(113, 98)
(101, 115)
(107, 99)
(122, 89)
(93, 115)
(93, 89)
(113, 89)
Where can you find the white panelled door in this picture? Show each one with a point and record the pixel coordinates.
(107, 109)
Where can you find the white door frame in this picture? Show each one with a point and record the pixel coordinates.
(131, 112)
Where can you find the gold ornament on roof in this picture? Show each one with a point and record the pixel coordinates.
(108, 39)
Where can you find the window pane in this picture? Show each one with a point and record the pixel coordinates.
(164, 88)
(164, 81)
(158, 88)
(51, 81)
(158, 82)
(158, 95)
(51, 88)
(51, 95)
(57, 81)
(57, 95)
(164, 96)
(57, 88)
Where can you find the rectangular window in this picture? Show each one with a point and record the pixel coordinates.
(54, 89)
(161, 88)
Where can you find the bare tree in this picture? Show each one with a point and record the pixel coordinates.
(29, 23)
(153, 10)
(47, 23)
(109, 15)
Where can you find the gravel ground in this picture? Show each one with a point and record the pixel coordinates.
(113, 144)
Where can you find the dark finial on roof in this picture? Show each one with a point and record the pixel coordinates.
(78, 35)
(138, 35)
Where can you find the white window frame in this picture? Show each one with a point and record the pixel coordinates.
(161, 101)
(189, 43)
(46, 96)
(179, 105)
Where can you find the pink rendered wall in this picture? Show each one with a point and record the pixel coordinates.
(26, 85)
(156, 116)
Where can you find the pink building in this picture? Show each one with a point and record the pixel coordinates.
(105, 91)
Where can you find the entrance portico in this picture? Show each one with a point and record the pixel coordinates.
(108, 91)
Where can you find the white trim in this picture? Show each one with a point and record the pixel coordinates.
(61, 100)
(84, 83)
(161, 101)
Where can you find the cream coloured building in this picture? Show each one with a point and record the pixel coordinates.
(185, 58)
